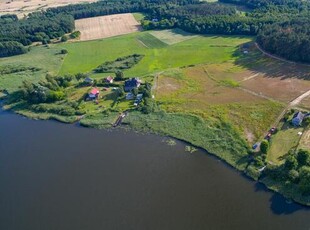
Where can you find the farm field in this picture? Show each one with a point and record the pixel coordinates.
(285, 139)
(106, 26)
(172, 36)
(21, 7)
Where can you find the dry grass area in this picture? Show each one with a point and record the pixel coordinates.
(275, 79)
(106, 26)
(305, 140)
(24, 7)
(305, 103)
(206, 91)
(282, 89)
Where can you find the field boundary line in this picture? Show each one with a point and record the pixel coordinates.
(279, 58)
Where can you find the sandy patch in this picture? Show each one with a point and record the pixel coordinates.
(106, 26)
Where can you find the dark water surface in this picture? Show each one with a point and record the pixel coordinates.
(63, 177)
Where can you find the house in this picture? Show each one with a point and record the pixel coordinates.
(130, 96)
(93, 94)
(298, 118)
(131, 84)
(88, 80)
(109, 79)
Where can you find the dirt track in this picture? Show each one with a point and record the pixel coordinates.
(106, 26)
(24, 7)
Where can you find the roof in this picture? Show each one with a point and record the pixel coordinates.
(109, 78)
(88, 79)
(94, 91)
(133, 82)
(299, 115)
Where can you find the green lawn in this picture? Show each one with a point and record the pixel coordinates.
(286, 138)
(47, 59)
(85, 56)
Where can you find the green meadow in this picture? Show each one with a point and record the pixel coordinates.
(85, 56)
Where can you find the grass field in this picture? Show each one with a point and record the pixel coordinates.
(285, 139)
(85, 56)
(49, 60)
(305, 140)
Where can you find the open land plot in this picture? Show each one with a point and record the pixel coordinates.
(192, 90)
(276, 79)
(106, 26)
(285, 139)
(21, 7)
(172, 36)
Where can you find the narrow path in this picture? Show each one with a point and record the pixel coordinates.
(278, 58)
(299, 99)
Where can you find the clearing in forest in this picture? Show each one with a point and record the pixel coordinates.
(106, 26)
(23, 7)
(173, 36)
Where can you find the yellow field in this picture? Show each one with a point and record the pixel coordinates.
(106, 26)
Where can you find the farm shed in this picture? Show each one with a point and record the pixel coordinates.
(109, 79)
(88, 80)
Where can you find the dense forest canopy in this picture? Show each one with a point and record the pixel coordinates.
(271, 19)
(288, 39)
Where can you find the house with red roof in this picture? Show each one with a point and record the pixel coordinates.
(93, 94)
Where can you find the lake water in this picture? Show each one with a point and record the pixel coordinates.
(61, 177)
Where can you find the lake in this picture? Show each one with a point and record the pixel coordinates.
(61, 177)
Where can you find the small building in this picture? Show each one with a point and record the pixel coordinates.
(93, 94)
(131, 84)
(130, 96)
(109, 79)
(89, 80)
(138, 99)
(298, 118)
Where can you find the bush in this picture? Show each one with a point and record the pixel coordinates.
(64, 51)
(64, 38)
(264, 146)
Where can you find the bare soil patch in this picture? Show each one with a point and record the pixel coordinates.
(106, 26)
(24, 7)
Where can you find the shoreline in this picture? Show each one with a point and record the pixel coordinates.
(127, 127)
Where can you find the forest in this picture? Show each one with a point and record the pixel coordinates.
(271, 20)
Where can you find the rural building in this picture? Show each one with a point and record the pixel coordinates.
(131, 84)
(138, 99)
(109, 79)
(88, 80)
(93, 94)
(298, 118)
